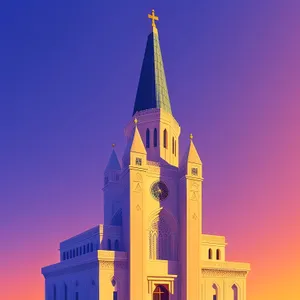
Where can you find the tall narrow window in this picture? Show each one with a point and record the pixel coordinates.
(77, 296)
(64, 255)
(54, 292)
(117, 246)
(173, 145)
(109, 244)
(147, 138)
(218, 254)
(155, 137)
(235, 292)
(83, 249)
(165, 139)
(66, 292)
(115, 295)
(215, 292)
(209, 254)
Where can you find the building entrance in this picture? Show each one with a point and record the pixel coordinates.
(160, 293)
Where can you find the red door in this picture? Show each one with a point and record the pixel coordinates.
(160, 293)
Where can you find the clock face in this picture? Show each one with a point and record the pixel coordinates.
(159, 190)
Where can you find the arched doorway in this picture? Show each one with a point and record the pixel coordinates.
(160, 293)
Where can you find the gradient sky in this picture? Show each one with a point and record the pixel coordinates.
(68, 76)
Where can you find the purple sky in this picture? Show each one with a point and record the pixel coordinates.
(68, 78)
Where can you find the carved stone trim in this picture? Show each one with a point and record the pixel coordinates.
(113, 265)
(195, 217)
(223, 273)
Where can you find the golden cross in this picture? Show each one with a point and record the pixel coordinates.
(153, 17)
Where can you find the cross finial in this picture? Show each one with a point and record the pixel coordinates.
(191, 136)
(135, 121)
(153, 17)
(113, 145)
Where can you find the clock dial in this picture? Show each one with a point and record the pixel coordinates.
(159, 190)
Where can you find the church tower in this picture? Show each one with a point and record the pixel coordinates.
(159, 129)
(160, 194)
(151, 245)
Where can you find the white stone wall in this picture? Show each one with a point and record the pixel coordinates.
(85, 282)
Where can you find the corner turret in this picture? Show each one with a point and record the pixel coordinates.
(113, 168)
(191, 163)
(135, 152)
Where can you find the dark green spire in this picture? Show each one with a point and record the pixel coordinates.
(152, 89)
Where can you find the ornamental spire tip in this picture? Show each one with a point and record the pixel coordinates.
(154, 18)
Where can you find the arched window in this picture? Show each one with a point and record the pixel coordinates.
(147, 138)
(173, 145)
(215, 292)
(155, 137)
(66, 292)
(109, 244)
(54, 292)
(235, 292)
(209, 254)
(162, 238)
(165, 139)
(117, 246)
(92, 246)
(218, 254)
(64, 255)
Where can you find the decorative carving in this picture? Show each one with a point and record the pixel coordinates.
(113, 265)
(138, 188)
(138, 177)
(194, 192)
(138, 208)
(223, 273)
(107, 253)
(162, 239)
(153, 163)
(193, 196)
(113, 282)
(195, 217)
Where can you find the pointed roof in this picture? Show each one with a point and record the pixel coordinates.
(152, 90)
(135, 143)
(191, 155)
(113, 163)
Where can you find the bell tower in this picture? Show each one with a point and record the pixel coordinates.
(190, 193)
(158, 128)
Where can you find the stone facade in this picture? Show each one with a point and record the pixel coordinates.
(151, 244)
